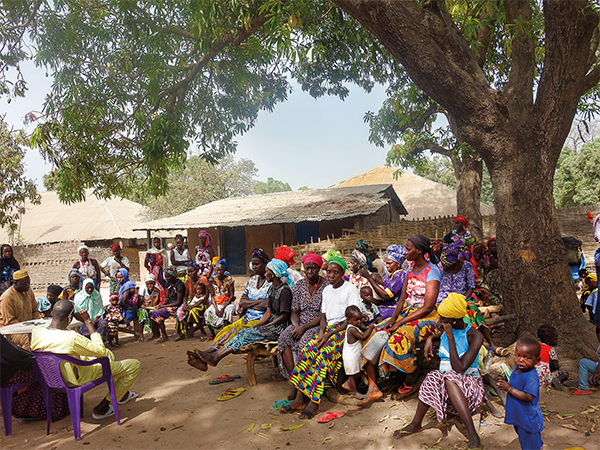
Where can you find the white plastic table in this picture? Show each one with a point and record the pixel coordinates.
(29, 325)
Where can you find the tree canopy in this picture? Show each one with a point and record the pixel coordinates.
(577, 179)
(271, 185)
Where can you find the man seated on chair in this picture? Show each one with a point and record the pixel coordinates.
(57, 339)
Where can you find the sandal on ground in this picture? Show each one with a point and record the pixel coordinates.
(279, 404)
(404, 389)
(161, 339)
(224, 379)
(230, 393)
(329, 416)
(580, 391)
(179, 338)
(110, 412)
(206, 339)
(131, 395)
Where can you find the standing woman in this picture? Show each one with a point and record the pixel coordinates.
(306, 314)
(393, 281)
(321, 359)
(205, 253)
(180, 257)
(114, 263)
(8, 265)
(460, 232)
(155, 262)
(413, 321)
(88, 267)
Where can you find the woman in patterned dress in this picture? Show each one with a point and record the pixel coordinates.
(413, 321)
(156, 262)
(306, 314)
(457, 387)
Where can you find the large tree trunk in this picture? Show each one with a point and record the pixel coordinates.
(519, 138)
(468, 171)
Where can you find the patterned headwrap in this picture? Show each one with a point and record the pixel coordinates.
(194, 265)
(206, 234)
(423, 244)
(313, 258)
(436, 247)
(75, 272)
(330, 254)
(285, 254)
(361, 245)
(215, 260)
(361, 258)
(453, 307)
(114, 247)
(279, 269)
(20, 274)
(261, 254)
(592, 276)
(339, 261)
(172, 271)
(222, 262)
(113, 296)
(463, 220)
(451, 253)
(396, 253)
(477, 245)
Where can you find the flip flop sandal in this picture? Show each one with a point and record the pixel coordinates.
(279, 404)
(286, 409)
(131, 396)
(579, 391)
(399, 434)
(110, 412)
(224, 379)
(404, 389)
(230, 393)
(329, 416)
(160, 340)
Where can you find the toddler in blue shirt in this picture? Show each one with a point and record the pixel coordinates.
(523, 400)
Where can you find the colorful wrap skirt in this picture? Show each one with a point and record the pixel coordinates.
(317, 367)
(433, 391)
(184, 318)
(230, 331)
(143, 316)
(399, 351)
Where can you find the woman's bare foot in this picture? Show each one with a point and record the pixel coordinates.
(407, 431)
(372, 396)
(311, 410)
(474, 442)
(208, 358)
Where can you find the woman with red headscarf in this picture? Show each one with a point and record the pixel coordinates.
(286, 254)
(460, 232)
(307, 295)
(114, 263)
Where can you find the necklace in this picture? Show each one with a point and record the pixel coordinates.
(310, 296)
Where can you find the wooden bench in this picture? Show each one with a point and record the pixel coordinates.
(257, 349)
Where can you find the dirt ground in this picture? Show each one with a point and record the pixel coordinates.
(177, 409)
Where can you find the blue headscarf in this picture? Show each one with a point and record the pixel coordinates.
(222, 262)
(126, 284)
(396, 253)
(279, 269)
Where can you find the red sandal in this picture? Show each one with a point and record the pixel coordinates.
(404, 389)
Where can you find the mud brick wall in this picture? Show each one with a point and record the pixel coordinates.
(50, 263)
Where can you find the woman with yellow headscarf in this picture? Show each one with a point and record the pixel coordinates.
(457, 387)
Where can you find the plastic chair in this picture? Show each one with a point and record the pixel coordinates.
(48, 366)
(6, 396)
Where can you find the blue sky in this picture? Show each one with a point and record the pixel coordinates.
(304, 141)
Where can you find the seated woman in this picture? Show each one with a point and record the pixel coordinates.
(221, 288)
(269, 327)
(392, 283)
(306, 314)
(88, 267)
(286, 254)
(176, 293)
(413, 321)
(321, 359)
(488, 285)
(75, 280)
(90, 300)
(189, 316)
(128, 296)
(253, 303)
(456, 388)
(46, 303)
(358, 269)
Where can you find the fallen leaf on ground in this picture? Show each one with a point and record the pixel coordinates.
(295, 427)
(384, 418)
(570, 427)
(178, 426)
(205, 375)
(251, 427)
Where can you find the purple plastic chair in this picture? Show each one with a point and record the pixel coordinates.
(48, 366)
(6, 397)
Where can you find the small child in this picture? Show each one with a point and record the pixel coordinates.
(547, 368)
(113, 316)
(351, 354)
(523, 400)
(368, 309)
(589, 372)
(197, 306)
(148, 298)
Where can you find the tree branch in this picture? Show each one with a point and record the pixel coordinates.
(484, 35)
(519, 89)
(418, 122)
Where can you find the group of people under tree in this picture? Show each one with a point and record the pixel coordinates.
(332, 323)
